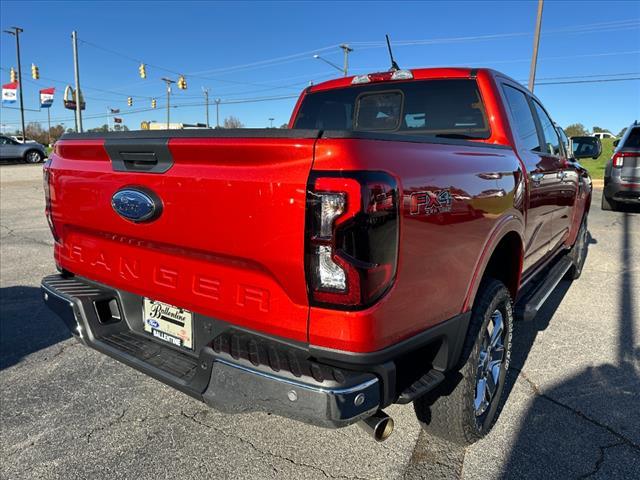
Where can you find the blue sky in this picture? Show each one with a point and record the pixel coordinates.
(230, 48)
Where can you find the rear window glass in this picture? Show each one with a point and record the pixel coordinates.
(448, 108)
(633, 139)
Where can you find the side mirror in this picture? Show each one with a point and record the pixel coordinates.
(616, 142)
(586, 147)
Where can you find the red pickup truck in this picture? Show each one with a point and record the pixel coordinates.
(375, 252)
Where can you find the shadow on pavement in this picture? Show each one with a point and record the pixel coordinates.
(605, 441)
(435, 458)
(26, 325)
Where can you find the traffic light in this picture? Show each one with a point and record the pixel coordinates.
(143, 70)
(35, 71)
(153, 103)
(130, 101)
(182, 83)
(14, 75)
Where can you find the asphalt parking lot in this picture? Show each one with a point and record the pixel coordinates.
(572, 407)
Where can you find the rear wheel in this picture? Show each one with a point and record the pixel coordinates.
(608, 204)
(579, 251)
(465, 408)
(33, 156)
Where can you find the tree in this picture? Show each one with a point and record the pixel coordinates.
(284, 125)
(599, 130)
(576, 130)
(232, 122)
(622, 132)
(103, 128)
(34, 131)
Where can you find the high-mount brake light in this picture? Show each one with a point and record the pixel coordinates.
(382, 77)
(352, 237)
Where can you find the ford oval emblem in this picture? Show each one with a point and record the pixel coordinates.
(136, 205)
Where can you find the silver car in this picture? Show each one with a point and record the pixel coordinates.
(30, 152)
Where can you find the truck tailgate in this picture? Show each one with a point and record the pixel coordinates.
(229, 242)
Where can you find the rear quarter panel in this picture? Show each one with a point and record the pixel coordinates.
(442, 247)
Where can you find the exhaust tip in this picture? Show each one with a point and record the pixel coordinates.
(384, 429)
(379, 426)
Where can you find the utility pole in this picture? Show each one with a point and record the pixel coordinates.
(16, 33)
(217, 113)
(536, 43)
(168, 81)
(346, 49)
(76, 68)
(206, 102)
(49, 122)
(271, 119)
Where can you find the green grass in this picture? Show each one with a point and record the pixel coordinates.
(596, 167)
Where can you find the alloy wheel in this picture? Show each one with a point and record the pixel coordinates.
(490, 363)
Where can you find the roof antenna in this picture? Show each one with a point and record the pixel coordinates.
(394, 65)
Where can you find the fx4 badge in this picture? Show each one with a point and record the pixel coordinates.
(429, 203)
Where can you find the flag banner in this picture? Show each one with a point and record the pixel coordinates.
(114, 110)
(46, 97)
(9, 94)
(117, 120)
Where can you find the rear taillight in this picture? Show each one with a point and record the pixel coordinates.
(618, 158)
(352, 237)
(46, 180)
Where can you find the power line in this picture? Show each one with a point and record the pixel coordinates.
(589, 81)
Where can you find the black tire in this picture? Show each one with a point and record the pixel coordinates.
(450, 411)
(578, 252)
(608, 204)
(33, 156)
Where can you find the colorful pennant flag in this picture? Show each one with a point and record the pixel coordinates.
(9, 93)
(46, 97)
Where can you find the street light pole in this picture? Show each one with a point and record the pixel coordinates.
(168, 81)
(76, 68)
(16, 33)
(271, 119)
(217, 113)
(346, 49)
(206, 102)
(536, 43)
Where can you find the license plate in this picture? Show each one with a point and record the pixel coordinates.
(168, 323)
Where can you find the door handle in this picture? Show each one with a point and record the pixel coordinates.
(537, 177)
(562, 175)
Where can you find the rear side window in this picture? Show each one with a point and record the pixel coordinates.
(523, 122)
(551, 140)
(633, 139)
(446, 108)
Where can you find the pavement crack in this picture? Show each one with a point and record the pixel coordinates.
(63, 349)
(108, 425)
(193, 418)
(600, 459)
(577, 412)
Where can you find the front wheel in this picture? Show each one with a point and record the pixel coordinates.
(33, 156)
(465, 408)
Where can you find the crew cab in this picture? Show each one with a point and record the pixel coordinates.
(375, 252)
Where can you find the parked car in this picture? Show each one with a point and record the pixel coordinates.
(602, 135)
(30, 152)
(368, 255)
(622, 172)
